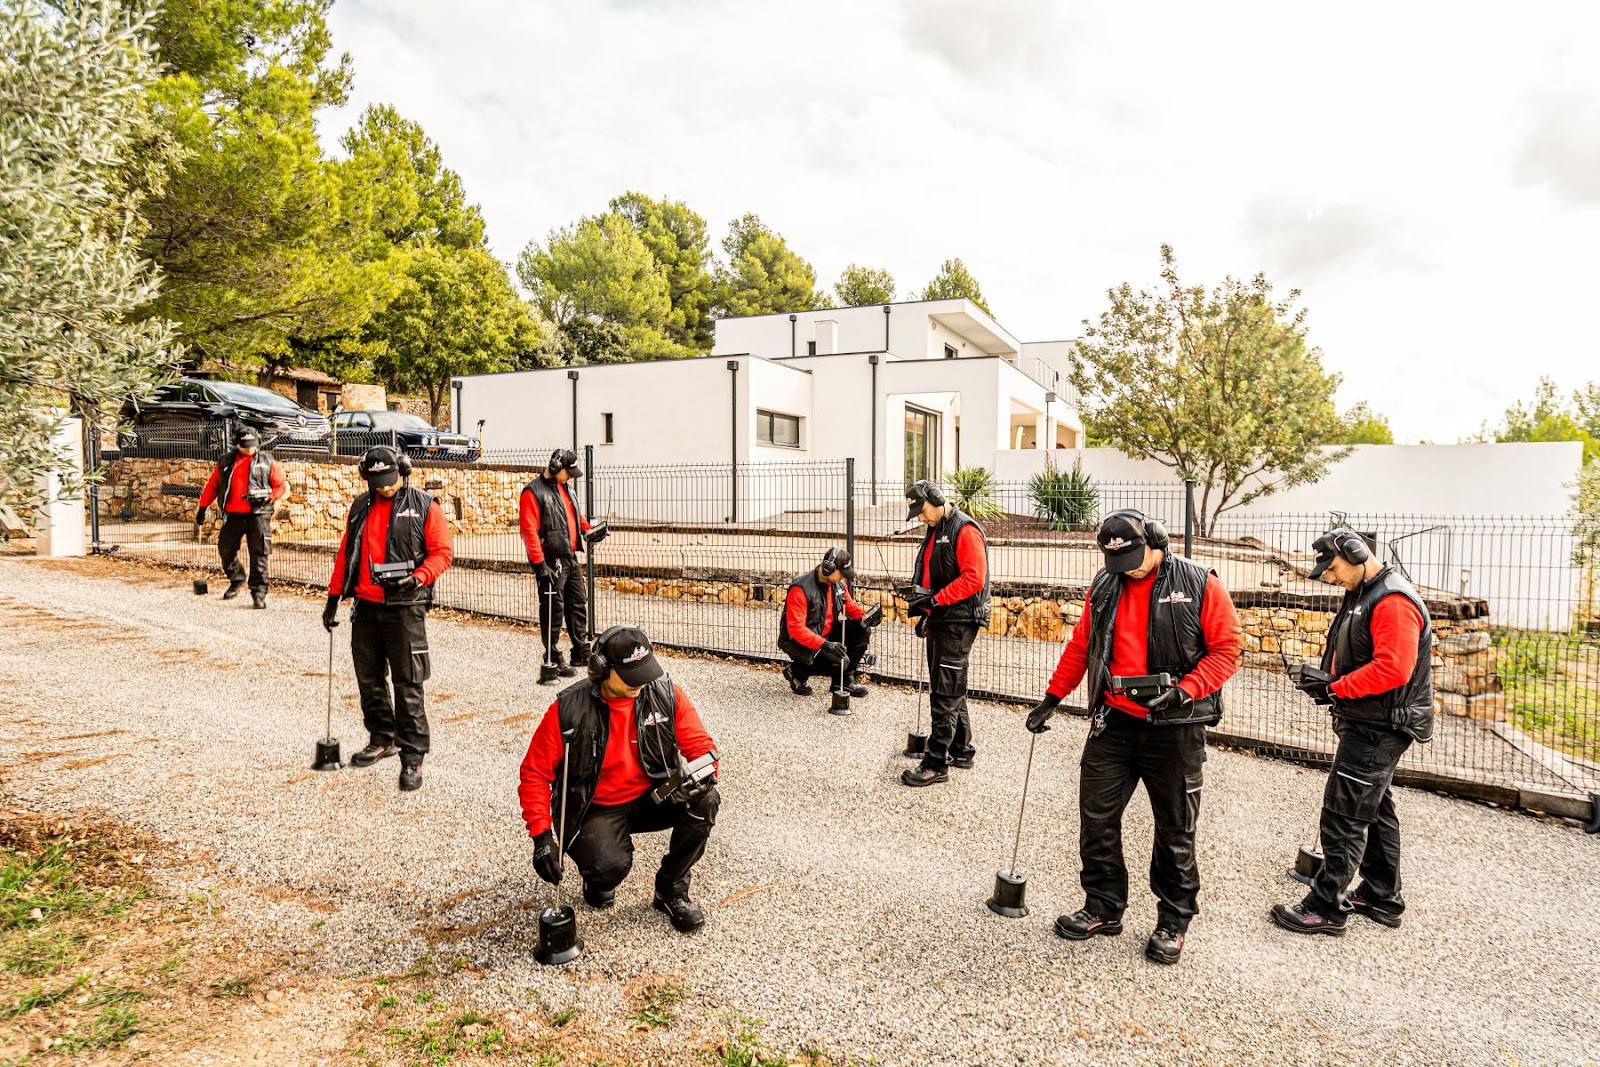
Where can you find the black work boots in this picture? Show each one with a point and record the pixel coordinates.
(854, 687)
(685, 914)
(234, 589)
(1303, 919)
(1164, 946)
(410, 771)
(1083, 924)
(796, 686)
(258, 600)
(373, 753)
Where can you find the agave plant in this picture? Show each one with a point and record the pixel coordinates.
(972, 489)
(1067, 500)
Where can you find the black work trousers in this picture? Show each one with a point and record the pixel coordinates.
(855, 647)
(603, 848)
(1168, 760)
(1360, 830)
(390, 644)
(949, 646)
(565, 598)
(256, 532)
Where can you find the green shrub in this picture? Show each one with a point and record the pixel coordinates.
(1067, 500)
(972, 490)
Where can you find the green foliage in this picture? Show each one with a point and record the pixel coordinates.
(762, 274)
(112, 1028)
(1549, 418)
(1363, 426)
(658, 1005)
(1551, 688)
(973, 490)
(70, 269)
(1221, 386)
(952, 281)
(677, 239)
(418, 199)
(1586, 517)
(456, 313)
(860, 286)
(1066, 500)
(260, 237)
(600, 270)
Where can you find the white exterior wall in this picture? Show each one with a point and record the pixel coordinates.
(912, 332)
(786, 391)
(60, 524)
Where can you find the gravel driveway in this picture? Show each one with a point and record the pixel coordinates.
(846, 912)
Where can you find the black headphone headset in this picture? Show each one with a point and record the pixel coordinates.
(1155, 531)
(599, 666)
(830, 561)
(562, 459)
(402, 462)
(922, 489)
(1351, 545)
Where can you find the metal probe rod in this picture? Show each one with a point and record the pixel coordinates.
(1026, 775)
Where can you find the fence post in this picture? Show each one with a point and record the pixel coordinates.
(92, 459)
(850, 506)
(588, 549)
(1188, 518)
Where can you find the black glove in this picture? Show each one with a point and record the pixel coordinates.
(200, 517)
(408, 584)
(1318, 691)
(330, 613)
(695, 790)
(547, 573)
(873, 616)
(546, 860)
(921, 604)
(1171, 700)
(921, 628)
(1039, 715)
(833, 651)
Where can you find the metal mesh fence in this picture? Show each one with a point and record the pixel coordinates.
(700, 556)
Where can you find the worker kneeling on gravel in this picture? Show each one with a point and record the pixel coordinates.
(1147, 612)
(247, 484)
(812, 630)
(395, 546)
(1377, 680)
(638, 761)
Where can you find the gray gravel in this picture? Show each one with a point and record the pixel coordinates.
(854, 916)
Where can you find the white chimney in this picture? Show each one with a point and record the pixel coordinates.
(827, 336)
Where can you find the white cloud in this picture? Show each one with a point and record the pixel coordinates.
(1425, 177)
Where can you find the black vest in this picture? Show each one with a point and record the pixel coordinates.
(1176, 642)
(258, 487)
(1407, 708)
(816, 592)
(944, 569)
(408, 518)
(554, 537)
(585, 728)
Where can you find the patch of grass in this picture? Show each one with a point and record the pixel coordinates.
(1552, 687)
(389, 1001)
(422, 968)
(744, 1048)
(115, 996)
(36, 953)
(658, 1006)
(436, 1042)
(230, 986)
(563, 1017)
(111, 1029)
(425, 997)
(38, 998)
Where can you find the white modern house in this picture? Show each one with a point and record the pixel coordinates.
(909, 390)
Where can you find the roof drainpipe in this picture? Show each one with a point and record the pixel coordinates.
(733, 410)
(873, 446)
(572, 375)
(792, 328)
(886, 310)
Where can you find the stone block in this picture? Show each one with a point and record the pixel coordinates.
(1463, 644)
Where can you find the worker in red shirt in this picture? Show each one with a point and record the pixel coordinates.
(554, 531)
(247, 482)
(950, 601)
(1147, 612)
(395, 546)
(813, 630)
(625, 733)
(1379, 655)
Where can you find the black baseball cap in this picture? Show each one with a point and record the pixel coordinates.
(1326, 547)
(916, 497)
(247, 439)
(841, 563)
(1122, 538)
(565, 459)
(380, 467)
(629, 652)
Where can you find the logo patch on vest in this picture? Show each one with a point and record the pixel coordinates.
(1177, 596)
(1357, 610)
(408, 513)
(655, 718)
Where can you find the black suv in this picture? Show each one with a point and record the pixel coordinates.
(356, 431)
(192, 413)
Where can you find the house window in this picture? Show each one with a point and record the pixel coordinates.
(780, 430)
(811, 348)
(949, 351)
(922, 444)
(605, 425)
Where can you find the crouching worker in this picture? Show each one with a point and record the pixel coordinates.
(396, 544)
(813, 631)
(633, 747)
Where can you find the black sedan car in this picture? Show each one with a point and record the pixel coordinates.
(194, 413)
(356, 431)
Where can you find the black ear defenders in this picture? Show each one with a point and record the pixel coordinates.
(830, 561)
(599, 666)
(401, 461)
(1155, 531)
(1351, 545)
(922, 489)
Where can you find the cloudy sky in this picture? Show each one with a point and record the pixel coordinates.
(1427, 175)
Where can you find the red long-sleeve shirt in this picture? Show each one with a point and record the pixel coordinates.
(1130, 645)
(236, 503)
(969, 557)
(795, 610)
(375, 549)
(622, 777)
(528, 519)
(1396, 633)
